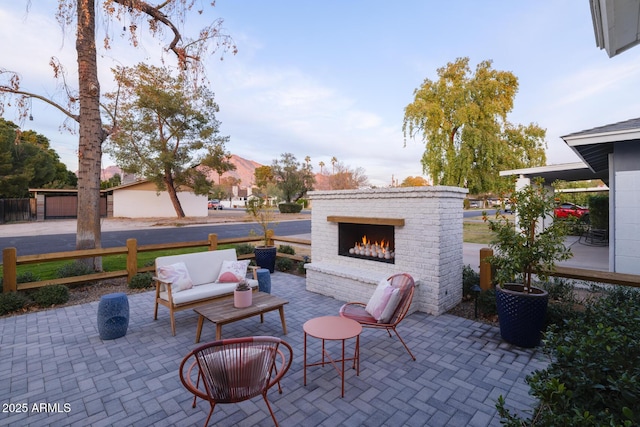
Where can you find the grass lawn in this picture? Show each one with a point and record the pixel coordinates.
(474, 231)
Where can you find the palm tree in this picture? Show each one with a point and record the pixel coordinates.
(307, 160)
(321, 166)
(333, 165)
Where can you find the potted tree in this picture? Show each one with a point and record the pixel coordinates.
(526, 247)
(264, 216)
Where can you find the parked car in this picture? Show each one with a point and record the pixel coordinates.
(508, 208)
(474, 204)
(214, 204)
(567, 209)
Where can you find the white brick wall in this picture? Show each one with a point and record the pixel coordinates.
(428, 246)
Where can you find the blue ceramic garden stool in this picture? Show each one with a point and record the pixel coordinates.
(264, 280)
(113, 316)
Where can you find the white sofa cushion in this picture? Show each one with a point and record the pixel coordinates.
(204, 267)
(204, 291)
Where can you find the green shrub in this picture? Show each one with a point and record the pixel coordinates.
(469, 278)
(563, 304)
(594, 376)
(244, 249)
(284, 264)
(286, 249)
(74, 269)
(27, 277)
(289, 207)
(487, 302)
(51, 295)
(141, 281)
(11, 301)
(599, 212)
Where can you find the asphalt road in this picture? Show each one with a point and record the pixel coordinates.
(46, 243)
(33, 245)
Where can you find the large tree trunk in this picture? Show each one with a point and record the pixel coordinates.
(91, 136)
(173, 195)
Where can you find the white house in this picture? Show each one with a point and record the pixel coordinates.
(141, 199)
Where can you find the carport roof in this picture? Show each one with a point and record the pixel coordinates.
(566, 172)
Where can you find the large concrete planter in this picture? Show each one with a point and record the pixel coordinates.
(521, 315)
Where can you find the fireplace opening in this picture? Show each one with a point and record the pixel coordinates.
(367, 241)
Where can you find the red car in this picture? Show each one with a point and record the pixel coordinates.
(566, 210)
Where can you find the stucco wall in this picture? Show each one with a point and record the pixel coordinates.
(428, 246)
(141, 203)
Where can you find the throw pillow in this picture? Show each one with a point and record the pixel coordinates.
(391, 306)
(227, 277)
(237, 268)
(379, 299)
(176, 274)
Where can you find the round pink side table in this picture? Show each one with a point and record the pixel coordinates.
(333, 328)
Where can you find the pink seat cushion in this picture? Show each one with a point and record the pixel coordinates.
(357, 312)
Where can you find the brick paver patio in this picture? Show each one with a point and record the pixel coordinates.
(57, 358)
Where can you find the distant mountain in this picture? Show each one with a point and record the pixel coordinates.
(244, 172)
(108, 172)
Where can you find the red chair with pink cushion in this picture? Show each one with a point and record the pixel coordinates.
(236, 369)
(387, 307)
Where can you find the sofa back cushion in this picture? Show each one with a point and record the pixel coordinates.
(203, 267)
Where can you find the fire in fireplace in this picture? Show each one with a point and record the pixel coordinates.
(367, 241)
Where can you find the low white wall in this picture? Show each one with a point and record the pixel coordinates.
(129, 203)
(428, 246)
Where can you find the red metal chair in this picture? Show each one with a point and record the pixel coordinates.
(357, 312)
(234, 370)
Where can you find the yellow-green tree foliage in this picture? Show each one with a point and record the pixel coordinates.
(414, 181)
(462, 120)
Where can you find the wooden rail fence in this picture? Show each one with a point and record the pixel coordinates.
(11, 260)
(596, 276)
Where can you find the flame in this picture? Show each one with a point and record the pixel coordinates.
(374, 249)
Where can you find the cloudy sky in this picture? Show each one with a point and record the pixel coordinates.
(331, 78)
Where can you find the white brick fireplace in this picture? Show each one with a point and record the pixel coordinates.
(427, 243)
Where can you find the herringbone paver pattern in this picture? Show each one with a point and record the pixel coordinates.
(56, 358)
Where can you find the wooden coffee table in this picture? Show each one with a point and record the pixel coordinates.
(222, 312)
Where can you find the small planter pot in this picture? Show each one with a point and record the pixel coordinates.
(266, 257)
(521, 315)
(242, 299)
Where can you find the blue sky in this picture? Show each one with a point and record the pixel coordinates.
(332, 78)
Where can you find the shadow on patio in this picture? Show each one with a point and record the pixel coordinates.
(56, 357)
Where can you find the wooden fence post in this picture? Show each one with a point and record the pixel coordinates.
(213, 242)
(9, 272)
(485, 269)
(132, 259)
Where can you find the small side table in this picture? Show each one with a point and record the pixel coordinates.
(113, 316)
(333, 328)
